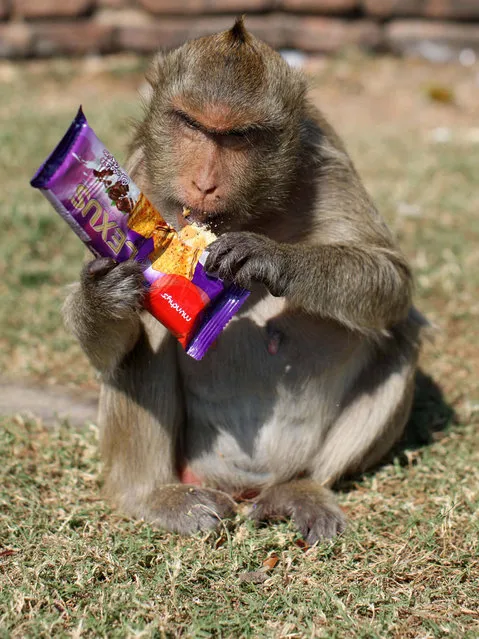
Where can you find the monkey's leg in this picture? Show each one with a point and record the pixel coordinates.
(373, 419)
(141, 409)
(361, 436)
(311, 506)
(141, 418)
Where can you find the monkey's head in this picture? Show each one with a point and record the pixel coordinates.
(222, 130)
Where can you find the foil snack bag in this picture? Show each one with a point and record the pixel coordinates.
(103, 206)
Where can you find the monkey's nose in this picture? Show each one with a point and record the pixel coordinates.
(205, 188)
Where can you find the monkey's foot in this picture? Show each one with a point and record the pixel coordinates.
(188, 509)
(311, 506)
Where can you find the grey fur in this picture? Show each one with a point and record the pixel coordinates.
(314, 377)
(312, 509)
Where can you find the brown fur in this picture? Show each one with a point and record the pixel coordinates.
(314, 377)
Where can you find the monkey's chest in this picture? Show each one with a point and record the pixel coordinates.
(259, 402)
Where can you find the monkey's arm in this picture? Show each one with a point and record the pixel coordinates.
(362, 286)
(102, 311)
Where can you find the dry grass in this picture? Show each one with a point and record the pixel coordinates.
(408, 565)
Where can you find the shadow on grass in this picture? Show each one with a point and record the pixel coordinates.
(430, 415)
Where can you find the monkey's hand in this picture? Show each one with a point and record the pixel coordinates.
(102, 311)
(245, 258)
(111, 289)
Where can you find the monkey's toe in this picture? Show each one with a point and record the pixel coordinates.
(309, 505)
(187, 509)
(321, 523)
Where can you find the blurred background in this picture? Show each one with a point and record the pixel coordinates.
(399, 80)
(437, 29)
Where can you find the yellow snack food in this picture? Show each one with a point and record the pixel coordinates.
(183, 250)
(145, 219)
(195, 236)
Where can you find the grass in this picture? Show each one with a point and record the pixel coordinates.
(406, 567)
(408, 563)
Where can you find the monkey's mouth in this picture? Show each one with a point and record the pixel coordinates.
(190, 215)
(180, 214)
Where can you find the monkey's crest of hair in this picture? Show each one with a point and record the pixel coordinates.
(238, 32)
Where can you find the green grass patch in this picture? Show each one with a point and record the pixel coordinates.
(407, 565)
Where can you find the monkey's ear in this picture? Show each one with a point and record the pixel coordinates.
(155, 69)
(238, 31)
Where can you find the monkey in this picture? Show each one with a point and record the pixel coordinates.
(313, 379)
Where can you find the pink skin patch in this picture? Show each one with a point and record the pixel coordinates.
(247, 495)
(274, 343)
(187, 476)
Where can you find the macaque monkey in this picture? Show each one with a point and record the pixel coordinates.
(313, 379)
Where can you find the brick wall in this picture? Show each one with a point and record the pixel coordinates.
(439, 29)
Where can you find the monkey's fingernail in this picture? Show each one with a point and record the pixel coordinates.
(101, 267)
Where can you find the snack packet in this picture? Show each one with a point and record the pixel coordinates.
(108, 212)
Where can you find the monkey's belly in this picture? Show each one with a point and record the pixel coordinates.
(258, 405)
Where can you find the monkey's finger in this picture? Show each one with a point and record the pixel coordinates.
(232, 262)
(216, 251)
(126, 277)
(244, 276)
(129, 267)
(99, 267)
(259, 269)
(225, 244)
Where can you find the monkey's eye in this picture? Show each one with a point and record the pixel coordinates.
(185, 119)
(191, 124)
(233, 139)
(239, 139)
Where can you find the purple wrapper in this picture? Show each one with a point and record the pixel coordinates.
(68, 180)
(99, 201)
